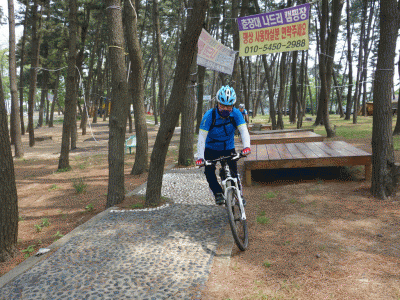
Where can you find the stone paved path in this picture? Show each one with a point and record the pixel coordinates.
(159, 254)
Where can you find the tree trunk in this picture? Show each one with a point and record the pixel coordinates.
(302, 101)
(98, 85)
(356, 96)
(70, 94)
(136, 85)
(366, 55)
(21, 72)
(339, 95)
(244, 84)
(326, 57)
(187, 50)
(120, 104)
(19, 150)
(396, 130)
(293, 88)
(271, 92)
(186, 142)
(199, 110)
(282, 87)
(43, 97)
(161, 82)
(384, 170)
(8, 189)
(33, 72)
(350, 62)
(55, 98)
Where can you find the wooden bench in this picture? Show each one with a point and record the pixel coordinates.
(305, 155)
(286, 137)
(258, 127)
(254, 132)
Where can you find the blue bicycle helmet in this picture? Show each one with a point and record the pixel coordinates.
(226, 95)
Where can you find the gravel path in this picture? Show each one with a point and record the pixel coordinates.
(158, 254)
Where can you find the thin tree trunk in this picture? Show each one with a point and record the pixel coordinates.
(55, 98)
(199, 110)
(161, 81)
(282, 87)
(70, 95)
(293, 88)
(19, 150)
(33, 72)
(8, 189)
(43, 97)
(186, 52)
(21, 72)
(356, 96)
(384, 170)
(338, 94)
(396, 130)
(350, 62)
(301, 102)
(186, 142)
(120, 104)
(136, 84)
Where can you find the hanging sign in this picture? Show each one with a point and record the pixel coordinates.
(278, 31)
(213, 55)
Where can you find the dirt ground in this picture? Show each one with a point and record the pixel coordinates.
(314, 233)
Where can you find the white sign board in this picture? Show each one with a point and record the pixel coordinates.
(213, 55)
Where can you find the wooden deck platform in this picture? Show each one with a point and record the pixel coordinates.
(305, 155)
(255, 132)
(260, 126)
(286, 137)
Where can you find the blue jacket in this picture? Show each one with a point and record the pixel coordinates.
(222, 135)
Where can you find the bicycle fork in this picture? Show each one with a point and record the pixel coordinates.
(238, 194)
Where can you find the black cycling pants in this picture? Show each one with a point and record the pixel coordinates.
(209, 171)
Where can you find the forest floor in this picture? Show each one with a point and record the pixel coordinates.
(314, 233)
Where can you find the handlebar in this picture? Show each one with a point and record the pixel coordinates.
(235, 156)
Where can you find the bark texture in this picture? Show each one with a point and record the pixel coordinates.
(70, 96)
(16, 125)
(136, 86)
(119, 106)
(187, 49)
(384, 169)
(8, 190)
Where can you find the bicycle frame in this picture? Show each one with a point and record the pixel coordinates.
(229, 178)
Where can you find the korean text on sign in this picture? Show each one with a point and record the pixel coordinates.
(278, 31)
(213, 55)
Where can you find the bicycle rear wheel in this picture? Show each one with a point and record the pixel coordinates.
(238, 226)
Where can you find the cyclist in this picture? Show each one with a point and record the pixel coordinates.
(244, 113)
(216, 138)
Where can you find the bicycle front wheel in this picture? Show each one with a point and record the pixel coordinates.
(238, 226)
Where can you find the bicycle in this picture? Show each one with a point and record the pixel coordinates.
(233, 200)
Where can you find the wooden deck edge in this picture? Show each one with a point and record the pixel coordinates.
(365, 161)
(287, 141)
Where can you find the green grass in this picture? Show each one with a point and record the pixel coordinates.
(267, 264)
(271, 195)
(262, 218)
(79, 185)
(53, 187)
(28, 251)
(58, 235)
(64, 170)
(137, 205)
(45, 222)
(89, 207)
